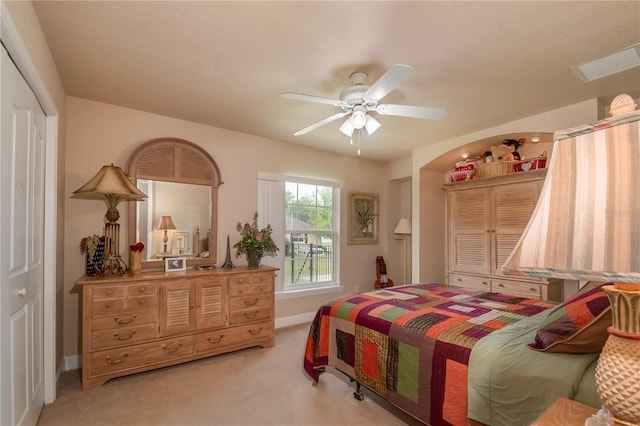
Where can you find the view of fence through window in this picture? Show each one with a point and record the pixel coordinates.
(309, 237)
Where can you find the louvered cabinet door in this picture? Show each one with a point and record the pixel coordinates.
(512, 207)
(469, 239)
(211, 302)
(177, 307)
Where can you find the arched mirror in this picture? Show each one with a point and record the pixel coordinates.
(179, 217)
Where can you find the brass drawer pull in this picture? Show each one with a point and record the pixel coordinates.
(249, 302)
(130, 320)
(108, 292)
(118, 361)
(250, 315)
(124, 337)
(142, 289)
(255, 333)
(218, 340)
(176, 348)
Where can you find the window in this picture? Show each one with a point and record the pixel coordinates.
(305, 215)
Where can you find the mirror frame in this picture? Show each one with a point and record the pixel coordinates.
(180, 161)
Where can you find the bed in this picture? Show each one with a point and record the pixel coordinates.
(447, 354)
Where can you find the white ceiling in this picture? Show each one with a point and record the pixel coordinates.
(225, 63)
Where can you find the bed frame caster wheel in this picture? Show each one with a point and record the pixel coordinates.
(358, 394)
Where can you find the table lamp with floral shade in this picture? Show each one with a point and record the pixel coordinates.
(586, 226)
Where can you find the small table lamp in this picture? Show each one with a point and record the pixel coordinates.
(165, 224)
(403, 229)
(110, 184)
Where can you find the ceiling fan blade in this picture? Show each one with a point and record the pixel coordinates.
(411, 111)
(310, 98)
(321, 123)
(390, 80)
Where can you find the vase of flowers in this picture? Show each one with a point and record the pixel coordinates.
(255, 243)
(135, 258)
(92, 247)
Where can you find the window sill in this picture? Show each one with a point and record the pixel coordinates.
(308, 292)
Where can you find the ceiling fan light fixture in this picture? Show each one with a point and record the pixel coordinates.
(347, 127)
(371, 125)
(358, 119)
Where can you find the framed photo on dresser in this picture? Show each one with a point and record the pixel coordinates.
(175, 264)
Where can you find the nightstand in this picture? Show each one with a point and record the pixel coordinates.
(565, 412)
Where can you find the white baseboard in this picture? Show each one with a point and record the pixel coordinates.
(295, 319)
(75, 361)
(72, 362)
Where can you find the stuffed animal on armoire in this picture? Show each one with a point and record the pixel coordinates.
(515, 143)
(502, 153)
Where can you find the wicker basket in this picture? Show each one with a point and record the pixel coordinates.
(495, 168)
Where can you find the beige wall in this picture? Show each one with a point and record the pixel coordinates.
(45, 79)
(98, 134)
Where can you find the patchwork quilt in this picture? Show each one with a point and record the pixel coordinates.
(411, 344)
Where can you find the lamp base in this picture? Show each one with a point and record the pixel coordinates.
(113, 265)
(617, 373)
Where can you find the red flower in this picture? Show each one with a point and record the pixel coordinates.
(137, 247)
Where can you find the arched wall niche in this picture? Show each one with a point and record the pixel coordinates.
(431, 244)
(168, 161)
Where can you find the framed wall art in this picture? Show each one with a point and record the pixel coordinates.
(362, 221)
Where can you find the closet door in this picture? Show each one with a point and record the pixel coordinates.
(469, 228)
(21, 249)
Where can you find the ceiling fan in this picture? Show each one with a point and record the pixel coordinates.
(359, 100)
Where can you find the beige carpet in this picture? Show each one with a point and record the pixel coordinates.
(251, 387)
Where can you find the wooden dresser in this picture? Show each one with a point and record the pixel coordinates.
(485, 219)
(157, 319)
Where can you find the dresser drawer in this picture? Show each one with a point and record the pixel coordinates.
(263, 279)
(244, 285)
(239, 280)
(251, 290)
(123, 336)
(479, 283)
(104, 362)
(107, 306)
(142, 289)
(521, 289)
(239, 303)
(250, 315)
(237, 290)
(220, 339)
(107, 292)
(123, 304)
(141, 302)
(125, 319)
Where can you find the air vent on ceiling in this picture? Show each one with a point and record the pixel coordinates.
(608, 65)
